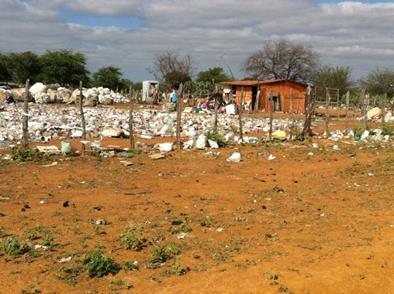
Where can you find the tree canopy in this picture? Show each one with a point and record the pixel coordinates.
(214, 73)
(379, 82)
(23, 66)
(338, 77)
(4, 72)
(64, 67)
(109, 77)
(282, 60)
(172, 68)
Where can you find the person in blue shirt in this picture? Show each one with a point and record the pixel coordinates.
(174, 97)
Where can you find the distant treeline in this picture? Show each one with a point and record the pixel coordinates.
(63, 67)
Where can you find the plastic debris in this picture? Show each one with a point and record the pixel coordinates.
(279, 135)
(235, 157)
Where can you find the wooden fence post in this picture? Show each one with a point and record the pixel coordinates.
(81, 111)
(365, 109)
(382, 106)
(25, 122)
(347, 110)
(328, 100)
(131, 127)
(292, 117)
(179, 116)
(338, 104)
(214, 94)
(241, 133)
(257, 104)
(271, 116)
(309, 111)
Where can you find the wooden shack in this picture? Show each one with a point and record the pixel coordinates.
(286, 96)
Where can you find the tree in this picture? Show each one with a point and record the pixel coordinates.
(4, 73)
(172, 68)
(108, 77)
(338, 77)
(64, 67)
(379, 82)
(282, 60)
(23, 66)
(216, 73)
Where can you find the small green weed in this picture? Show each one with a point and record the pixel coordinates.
(176, 269)
(14, 247)
(131, 266)
(132, 238)
(99, 265)
(162, 254)
(180, 227)
(22, 154)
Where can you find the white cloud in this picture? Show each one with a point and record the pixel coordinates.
(348, 33)
(107, 7)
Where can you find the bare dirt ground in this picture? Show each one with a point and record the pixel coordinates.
(298, 224)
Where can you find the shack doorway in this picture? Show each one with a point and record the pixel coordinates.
(276, 102)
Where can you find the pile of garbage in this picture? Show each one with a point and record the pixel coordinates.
(43, 94)
(377, 114)
(47, 123)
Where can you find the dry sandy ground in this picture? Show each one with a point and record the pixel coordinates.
(323, 224)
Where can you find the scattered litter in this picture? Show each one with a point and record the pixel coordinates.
(201, 142)
(271, 157)
(374, 113)
(101, 222)
(181, 236)
(157, 156)
(42, 247)
(50, 165)
(50, 150)
(220, 230)
(279, 135)
(165, 147)
(213, 144)
(127, 163)
(235, 157)
(65, 259)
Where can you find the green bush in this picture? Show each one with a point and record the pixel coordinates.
(99, 265)
(14, 247)
(132, 238)
(161, 254)
(217, 138)
(388, 129)
(22, 154)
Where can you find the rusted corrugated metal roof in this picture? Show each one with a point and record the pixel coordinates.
(251, 83)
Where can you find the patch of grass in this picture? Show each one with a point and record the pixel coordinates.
(388, 129)
(99, 265)
(22, 154)
(180, 227)
(48, 241)
(2, 232)
(161, 254)
(70, 275)
(132, 238)
(131, 266)
(177, 269)
(14, 247)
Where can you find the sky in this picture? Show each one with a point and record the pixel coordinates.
(129, 33)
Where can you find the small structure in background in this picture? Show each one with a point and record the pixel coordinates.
(150, 91)
(257, 94)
